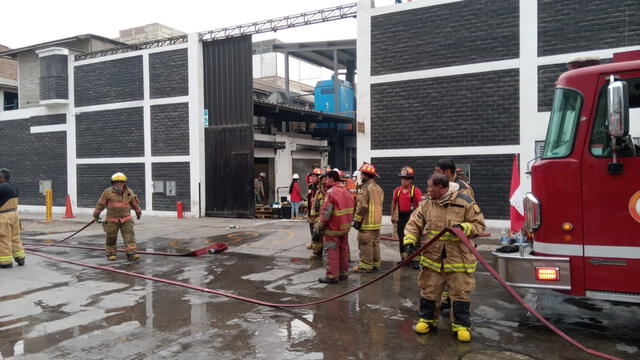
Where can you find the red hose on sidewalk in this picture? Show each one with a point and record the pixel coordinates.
(458, 232)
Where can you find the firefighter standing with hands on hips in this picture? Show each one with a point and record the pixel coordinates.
(119, 201)
(448, 261)
(368, 220)
(334, 223)
(10, 245)
(406, 198)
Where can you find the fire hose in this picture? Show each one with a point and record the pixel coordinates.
(458, 232)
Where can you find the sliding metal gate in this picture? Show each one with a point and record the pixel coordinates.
(228, 82)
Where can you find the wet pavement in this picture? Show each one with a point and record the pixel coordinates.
(51, 310)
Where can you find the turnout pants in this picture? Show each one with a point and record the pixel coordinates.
(337, 249)
(10, 244)
(460, 285)
(369, 246)
(128, 235)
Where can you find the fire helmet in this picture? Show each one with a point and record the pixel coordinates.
(118, 177)
(369, 169)
(407, 172)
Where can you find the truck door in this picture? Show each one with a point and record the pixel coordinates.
(611, 203)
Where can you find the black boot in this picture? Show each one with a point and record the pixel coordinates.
(461, 313)
(328, 280)
(427, 309)
(20, 261)
(6, 266)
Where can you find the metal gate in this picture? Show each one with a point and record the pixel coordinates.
(228, 86)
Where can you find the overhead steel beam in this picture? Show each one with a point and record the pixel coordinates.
(285, 22)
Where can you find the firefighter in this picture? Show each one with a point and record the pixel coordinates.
(406, 198)
(368, 220)
(119, 201)
(313, 187)
(317, 245)
(10, 245)
(448, 167)
(448, 261)
(334, 222)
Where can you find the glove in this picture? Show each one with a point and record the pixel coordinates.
(96, 218)
(357, 225)
(410, 249)
(138, 215)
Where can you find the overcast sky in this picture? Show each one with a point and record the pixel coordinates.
(45, 20)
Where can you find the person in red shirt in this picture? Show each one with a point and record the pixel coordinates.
(406, 198)
(296, 196)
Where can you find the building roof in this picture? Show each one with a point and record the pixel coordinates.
(321, 52)
(14, 52)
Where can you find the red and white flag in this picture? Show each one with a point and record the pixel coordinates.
(516, 198)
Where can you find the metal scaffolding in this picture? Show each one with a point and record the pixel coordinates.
(285, 22)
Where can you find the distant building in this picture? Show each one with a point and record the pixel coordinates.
(8, 82)
(149, 32)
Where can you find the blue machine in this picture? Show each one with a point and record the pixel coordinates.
(324, 100)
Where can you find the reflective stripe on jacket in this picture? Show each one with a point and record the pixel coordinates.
(369, 206)
(431, 218)
(118, 204)
(336, 212)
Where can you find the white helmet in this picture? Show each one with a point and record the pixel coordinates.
(264, 175)
(296, 176)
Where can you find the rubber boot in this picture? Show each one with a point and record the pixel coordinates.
(6, 266)
(424, 326)
(111, 257)
(343, 277)
(461, 324)
(20, 261)
(328, 280)
(133, 257)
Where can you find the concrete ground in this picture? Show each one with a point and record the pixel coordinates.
(51, 310)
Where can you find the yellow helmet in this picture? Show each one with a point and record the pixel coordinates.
(118, 177)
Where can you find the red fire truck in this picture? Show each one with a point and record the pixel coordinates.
(583, 211)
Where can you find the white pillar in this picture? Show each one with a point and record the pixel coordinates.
(283, 165)
(363, 91)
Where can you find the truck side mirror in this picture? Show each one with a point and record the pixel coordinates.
(618, 108)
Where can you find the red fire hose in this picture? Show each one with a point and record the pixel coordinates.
(459, 233)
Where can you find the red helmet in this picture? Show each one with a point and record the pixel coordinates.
(407, 172)
(316, 171)
(369, 169)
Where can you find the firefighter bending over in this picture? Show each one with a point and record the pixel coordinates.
(119, 201)
(448, 261)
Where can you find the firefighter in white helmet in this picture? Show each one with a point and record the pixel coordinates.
(119, 200)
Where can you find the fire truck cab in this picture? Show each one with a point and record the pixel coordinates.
(583, 211)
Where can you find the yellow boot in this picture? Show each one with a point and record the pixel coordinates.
(111, 258)
(464, 335)
(424, 326)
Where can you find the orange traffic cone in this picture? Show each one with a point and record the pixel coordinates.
(68, 214)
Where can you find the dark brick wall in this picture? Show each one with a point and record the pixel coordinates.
(547, 76)
(168, 74)
(110, 133)
(490, 178)
(54, 79)
(462, 110)
(566, 26)
(35, 157)
(108, 81)
(178, 172)
(94, 178)
(170, 129)
(465, 32)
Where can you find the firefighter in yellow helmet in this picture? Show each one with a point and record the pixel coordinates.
(448, 261)
(10, 245)
(119, 200)
(368, 220)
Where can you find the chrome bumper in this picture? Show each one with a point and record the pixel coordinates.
(520, 271)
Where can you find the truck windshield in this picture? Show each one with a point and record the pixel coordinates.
(562, 123)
